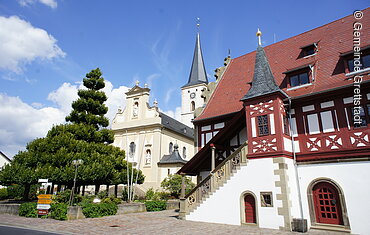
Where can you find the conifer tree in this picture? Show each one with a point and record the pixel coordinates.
(83, 138)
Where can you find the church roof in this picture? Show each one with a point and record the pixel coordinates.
(172, 158)
(333, 41)
(263, 82)
(176, 126)
(198, 73)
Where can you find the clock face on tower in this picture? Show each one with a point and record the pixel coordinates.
(192, 95)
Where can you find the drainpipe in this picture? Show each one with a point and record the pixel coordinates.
(295, 165)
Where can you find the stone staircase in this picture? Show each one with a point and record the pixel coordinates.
(216, 179)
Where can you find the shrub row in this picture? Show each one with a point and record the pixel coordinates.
(155, 205)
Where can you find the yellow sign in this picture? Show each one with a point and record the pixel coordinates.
(44, 196)
(44, 201)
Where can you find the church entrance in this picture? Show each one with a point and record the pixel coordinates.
(327, 204)
(250, 209)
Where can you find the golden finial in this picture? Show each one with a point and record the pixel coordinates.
(259, 34)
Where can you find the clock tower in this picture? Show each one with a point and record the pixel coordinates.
(191, 91)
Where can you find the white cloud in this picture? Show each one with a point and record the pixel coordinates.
(20, 122)
(21, 43)
(174, 114)
(50, 3)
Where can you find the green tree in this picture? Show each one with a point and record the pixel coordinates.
(172, 183)
(84, 137)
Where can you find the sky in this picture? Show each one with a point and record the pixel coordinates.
(48, 46)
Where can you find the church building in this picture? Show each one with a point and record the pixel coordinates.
(283, 142)
(155, 143)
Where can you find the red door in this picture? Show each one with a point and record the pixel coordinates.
(250, 209)
(327, 204)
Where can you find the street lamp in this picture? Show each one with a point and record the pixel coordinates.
(76, 163)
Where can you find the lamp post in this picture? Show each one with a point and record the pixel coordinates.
(76, 163)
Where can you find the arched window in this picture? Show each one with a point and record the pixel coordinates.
(132, 149)
(135, 110)
(148, 157)
(192, 106)
(184, 152)
(170, 147)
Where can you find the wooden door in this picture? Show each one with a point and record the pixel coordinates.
(250, 209)
(327, 204)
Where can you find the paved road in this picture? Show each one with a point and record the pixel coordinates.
(163, 222)
(21, 231)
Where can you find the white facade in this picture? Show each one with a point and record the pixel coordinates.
(190, 100)
(353, 178)
(140, 131)
(225, 205)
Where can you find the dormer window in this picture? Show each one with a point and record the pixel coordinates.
(299, 76)
(363, 63)
(356, 62)
(308, 50)
(299, 79)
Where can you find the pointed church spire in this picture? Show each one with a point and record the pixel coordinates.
(263, 81)
(198, 73)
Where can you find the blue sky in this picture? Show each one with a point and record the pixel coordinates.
(49, 45)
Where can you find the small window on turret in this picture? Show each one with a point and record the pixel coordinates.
(263, 125)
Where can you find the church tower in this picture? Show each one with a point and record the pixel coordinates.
(191, 91)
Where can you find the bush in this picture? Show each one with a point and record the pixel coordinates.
(59, 211)
(3, 193)
(99, 210)
(28, 209)
(63, 197)
(172, 183)
(16, 192)
(155, 205)
(152, 195)
(112, 199)
(102, 194)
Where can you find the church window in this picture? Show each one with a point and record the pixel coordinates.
(168, 172)
(263, 125)
(170, 147)
(132, 149)
(266, 199)
(184, 152)
(192, 106)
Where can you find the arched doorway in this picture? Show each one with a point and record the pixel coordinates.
(250, 209)
(327, 204)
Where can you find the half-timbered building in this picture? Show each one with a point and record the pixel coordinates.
(283, 141)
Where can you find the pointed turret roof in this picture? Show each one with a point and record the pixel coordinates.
(198, 73)
(263, 82)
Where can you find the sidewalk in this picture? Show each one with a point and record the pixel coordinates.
(163, 222)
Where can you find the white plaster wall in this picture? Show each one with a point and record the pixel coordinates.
(293, 187)
(223, 206)
(353, 178)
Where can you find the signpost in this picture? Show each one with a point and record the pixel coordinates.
(43, 204)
